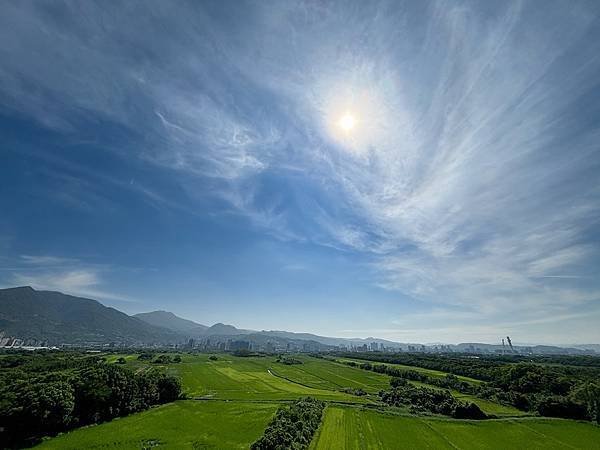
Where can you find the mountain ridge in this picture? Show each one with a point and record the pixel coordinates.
(167, 319)
(54, 317)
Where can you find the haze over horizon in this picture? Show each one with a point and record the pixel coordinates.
(413, 171)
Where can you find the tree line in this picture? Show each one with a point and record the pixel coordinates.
(422, 399)
(293, 426)
(566, 391)
(288, 360)
(44, 396)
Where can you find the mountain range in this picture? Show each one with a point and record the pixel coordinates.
(54, 318)
(169, 320)
(57, 318)
(187, 327)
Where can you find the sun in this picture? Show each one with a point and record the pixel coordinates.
(355, 117)
(347, 122)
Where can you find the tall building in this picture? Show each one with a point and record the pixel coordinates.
(239, 345)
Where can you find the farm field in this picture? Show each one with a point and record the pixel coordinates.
(490, 407)
(487, 406)
(355, 428)
(262, 378)
(242, 394)
(326, 374)
(184, 424)
(428, 372)
(237, 378)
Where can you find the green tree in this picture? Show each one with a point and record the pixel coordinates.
(589, 394)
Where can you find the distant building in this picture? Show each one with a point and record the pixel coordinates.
(239, 345)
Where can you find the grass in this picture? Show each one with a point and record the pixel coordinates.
(249, 378)
(185, 424)
(490, 407)
(325, 374)
(428, 372)
(236, 378)
(368, 429)
(487, 406)
(240, 395)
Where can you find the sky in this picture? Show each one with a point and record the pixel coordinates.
(415, 171)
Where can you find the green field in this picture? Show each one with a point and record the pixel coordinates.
(354, 428)
(487, 406)
(325, 374)
(187, 424)
(490, 407)
(233, 398)
(428, 372)
(237, 378)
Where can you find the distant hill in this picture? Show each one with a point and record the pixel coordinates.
(330, 340)
(187, 327)
(536, 349)
(58, 318)
(594, 347)
(169, 320)
(220, 329)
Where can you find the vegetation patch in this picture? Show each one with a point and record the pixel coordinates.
(166, 359)
(40, 397)
(288, 360)
(433, 400)
(355, 428)
(245, 394)
(185, 424)
(293, 426)
(570, 392)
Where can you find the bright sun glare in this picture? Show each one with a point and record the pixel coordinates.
(347, 122)
(354, 116)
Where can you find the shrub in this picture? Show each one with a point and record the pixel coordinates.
(292, 427)
(468, 411)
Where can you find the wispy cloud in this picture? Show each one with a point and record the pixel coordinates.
(45, 260)
(85, 283)
(474, 183)
(67, 275)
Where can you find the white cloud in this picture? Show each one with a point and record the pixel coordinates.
(470, 186)
(45, 260)
(64, 275)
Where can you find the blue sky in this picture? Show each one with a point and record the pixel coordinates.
(193, 157)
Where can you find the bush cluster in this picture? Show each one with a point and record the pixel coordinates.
(569, 391)
(288, 360)
(292, 427)
(36, 402)
(432, 400)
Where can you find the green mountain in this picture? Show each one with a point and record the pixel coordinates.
(169, 320)
(58, 318)
(220, 329)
